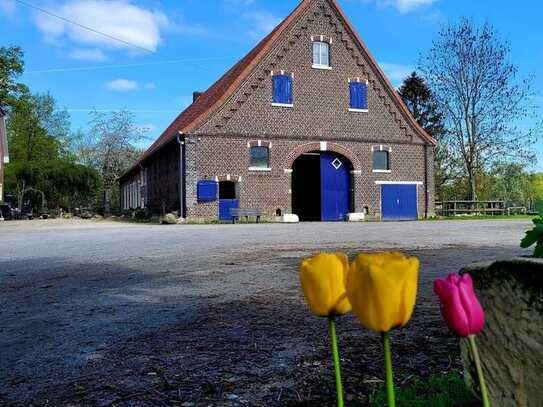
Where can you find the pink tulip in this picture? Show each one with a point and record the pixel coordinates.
(459, 305)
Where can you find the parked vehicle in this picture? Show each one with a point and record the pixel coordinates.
(6, 212)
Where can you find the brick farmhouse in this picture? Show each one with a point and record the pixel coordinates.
(307, 123)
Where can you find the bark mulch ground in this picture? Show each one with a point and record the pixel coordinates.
(265, 350)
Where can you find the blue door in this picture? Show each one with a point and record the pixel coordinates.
(335, 185)
(228, 199)
(224, 208)
(399, 202)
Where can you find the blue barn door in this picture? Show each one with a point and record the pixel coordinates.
(224, 208)
(335, 180)
(399, 202)
(228, 199)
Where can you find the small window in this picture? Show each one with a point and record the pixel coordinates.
(260, 157)
(359, 96)
(381, 161)
(282, 90)
(321, 54)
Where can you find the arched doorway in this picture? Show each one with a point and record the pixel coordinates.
(321, 186)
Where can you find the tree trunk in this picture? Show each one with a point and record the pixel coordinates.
(107, 201)
(472, 185)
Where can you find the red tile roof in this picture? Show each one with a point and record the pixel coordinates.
(217, 94)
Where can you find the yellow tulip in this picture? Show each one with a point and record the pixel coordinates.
(323, 282)
(382, 288)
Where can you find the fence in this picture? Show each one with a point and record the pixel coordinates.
(455, 208)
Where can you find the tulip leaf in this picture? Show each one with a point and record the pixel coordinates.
(532, 236)
(539, 249)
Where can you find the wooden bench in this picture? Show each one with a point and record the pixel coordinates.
(238, 213)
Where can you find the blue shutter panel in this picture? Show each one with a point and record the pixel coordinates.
(276, 89)
(288, 89)
(282, 89)
(359, 95)
(354, 98)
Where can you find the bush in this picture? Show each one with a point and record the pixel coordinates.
(535, 236)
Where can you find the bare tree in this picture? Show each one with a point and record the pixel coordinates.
(485, 107)
(114, 138)
(418, 98)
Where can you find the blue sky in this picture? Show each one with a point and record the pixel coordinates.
(184, 45)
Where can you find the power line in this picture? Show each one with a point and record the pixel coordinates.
(49, 13)
(118, 109)
(92, 68)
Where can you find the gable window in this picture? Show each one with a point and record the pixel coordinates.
(321, 54)
(358, 96)
(381, 162)
(282, 90)
(259, 158)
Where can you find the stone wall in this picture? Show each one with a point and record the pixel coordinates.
(511, 343)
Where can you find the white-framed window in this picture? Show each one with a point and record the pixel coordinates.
(259, 158)
(321, 54)
(381, 161)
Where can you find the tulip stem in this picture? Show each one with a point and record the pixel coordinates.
(477, 359)
(388, 370)
(335, 356)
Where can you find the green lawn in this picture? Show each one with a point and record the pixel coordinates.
(485, 217)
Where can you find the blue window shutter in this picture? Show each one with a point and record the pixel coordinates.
(282, 89)
(288, 89)
(359, 95)
(207, 191)
(276, 89)
(354, 93)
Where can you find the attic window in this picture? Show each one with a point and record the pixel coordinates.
(321, 52)
(358, 90)
(282, 89)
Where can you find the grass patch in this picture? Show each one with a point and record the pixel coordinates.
(483, 217)
(446, 390)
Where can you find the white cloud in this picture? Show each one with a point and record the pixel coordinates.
(403, 6)
(149, 127)
(82, 54)
(122, 85)
(396, 72)
(7, 6)
(150, 85)
(116, 18)
(261, 22)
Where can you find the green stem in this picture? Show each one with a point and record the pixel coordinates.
(335, 356)
(388, 370)
(477, 359)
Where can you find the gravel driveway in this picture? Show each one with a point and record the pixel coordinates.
(115, 314)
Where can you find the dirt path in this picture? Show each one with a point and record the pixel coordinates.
(221, 327)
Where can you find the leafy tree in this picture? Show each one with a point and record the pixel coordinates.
(510, 183)
(482, 100)
(418, 98)
(112, 148)
(36, 131)
(11, 66)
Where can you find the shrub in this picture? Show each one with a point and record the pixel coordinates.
(535, 236)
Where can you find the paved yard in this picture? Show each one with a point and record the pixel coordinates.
(112, 314)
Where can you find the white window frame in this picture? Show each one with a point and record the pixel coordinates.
(318, 64)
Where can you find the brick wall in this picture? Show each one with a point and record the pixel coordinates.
(270, 191)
